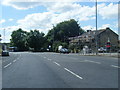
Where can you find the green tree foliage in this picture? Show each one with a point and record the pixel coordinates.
(35, 40)
(64, 30)
(18, 39)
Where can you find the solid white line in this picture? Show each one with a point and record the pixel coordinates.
(115, 66)
(56, 63)
(7, 65)
(92, 61)
(73, 73)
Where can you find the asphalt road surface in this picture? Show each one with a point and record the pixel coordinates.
(54, 70)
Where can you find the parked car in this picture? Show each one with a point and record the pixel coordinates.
(118, 51)
(64, 50)
(101, 49)
(5, 53)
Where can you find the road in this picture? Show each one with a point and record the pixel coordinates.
(53, 70)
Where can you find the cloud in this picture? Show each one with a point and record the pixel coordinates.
(64, 11)
(108, 11)
(63, 7)
(21, 5)
(36, 20)
(26, 4)
(8, 32)
(114, 27)
(2, 21)
(104, 26)
(57, 13)
(89, 27)
(10, 19)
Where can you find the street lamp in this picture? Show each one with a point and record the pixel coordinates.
(96, 31)
(53, 37)
(4, 35)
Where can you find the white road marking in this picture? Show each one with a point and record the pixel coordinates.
(11, 63)
(92, 61)
(82, 61)
(14, 60)
(115, 66)
(73, 73)
(56, 63)
(44, 57)
(7, 65)
(18, 58)
(49, 59)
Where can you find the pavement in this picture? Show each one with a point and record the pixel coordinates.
(54, 70)
(101, 54)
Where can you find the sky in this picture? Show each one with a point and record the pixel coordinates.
(42, 15)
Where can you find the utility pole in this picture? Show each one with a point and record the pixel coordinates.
(96, 32)
(4, 35)
(53, 37)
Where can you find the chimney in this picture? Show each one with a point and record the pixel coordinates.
(88, 30)
(107, 28)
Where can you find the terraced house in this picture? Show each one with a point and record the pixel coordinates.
(102, 37)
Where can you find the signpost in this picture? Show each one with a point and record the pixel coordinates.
(108, 45)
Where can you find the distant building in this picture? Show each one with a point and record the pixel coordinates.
(102, 36)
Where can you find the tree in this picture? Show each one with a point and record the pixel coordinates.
(62, 31)
(35, 40)
(18, 39)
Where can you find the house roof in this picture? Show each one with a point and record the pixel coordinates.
(94, 32)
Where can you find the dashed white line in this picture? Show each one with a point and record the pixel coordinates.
(92, 61)
(44, 57)
(56, 63)
(14, 60)
(49, 59)
(11, 63)
(73, 73)
(82, 61)
(7, 65)
(115, 66)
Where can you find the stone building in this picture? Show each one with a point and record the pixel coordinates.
(101, 37)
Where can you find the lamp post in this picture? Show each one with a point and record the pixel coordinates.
(96, 31)
(53, 37)
(4, 35)
(4, 39)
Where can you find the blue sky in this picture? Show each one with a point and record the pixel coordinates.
(43, 15)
